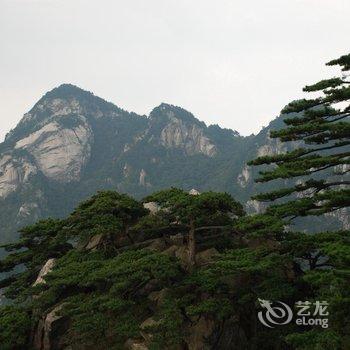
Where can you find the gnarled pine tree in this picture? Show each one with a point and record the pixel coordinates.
(197, 212)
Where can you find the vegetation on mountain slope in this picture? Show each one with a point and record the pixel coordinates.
(182, 270)
(87, 144)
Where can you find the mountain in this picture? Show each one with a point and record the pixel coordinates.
(72, 144)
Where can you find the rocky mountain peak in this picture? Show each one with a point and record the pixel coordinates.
(67, 90)
(53, 139)
(70, 92)
(166, 112)
(64, 105)
(179, 129)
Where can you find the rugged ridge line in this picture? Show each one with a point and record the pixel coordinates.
(73, 143)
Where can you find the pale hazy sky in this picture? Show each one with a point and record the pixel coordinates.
(231, 62)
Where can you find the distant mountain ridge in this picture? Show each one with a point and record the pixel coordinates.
(73, 143)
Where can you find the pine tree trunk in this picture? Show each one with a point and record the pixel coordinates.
(192, 246)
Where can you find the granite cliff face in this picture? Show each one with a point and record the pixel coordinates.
(72, 144)
(15, 171)
(186, 136)
(59, 153)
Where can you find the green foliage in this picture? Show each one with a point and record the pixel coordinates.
(37, 243)
(70, 121)
(315, 340)
(343, 61)
(250, 274)
(220, 307)
(328, 129)
(15, 327)
(105, 213)
(167, 332)
(208, 208)
(98, 293)
(324, 84)
(322, 259)
(105, 293)
(264, 225)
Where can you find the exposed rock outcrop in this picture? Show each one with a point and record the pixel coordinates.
(145, 325)
(244, 177)
(254, 206)
(190, 138)
(343, 215)
(28, 210)
(142, 179)
(153, 207)
(94, 242)
(60, 153)
(47, 268)
(273, 146)
(50, 329)
(194, 192)
(14, 172)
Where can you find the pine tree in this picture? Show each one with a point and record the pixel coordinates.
(322, 124)
(320, 170)
(196, 212)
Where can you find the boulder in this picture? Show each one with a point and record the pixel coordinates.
(153, 207)
(44, 271)
(50, 329)
(194, 192)
(94, 242)
(145, 325)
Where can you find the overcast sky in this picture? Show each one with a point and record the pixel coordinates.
(235, 63)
